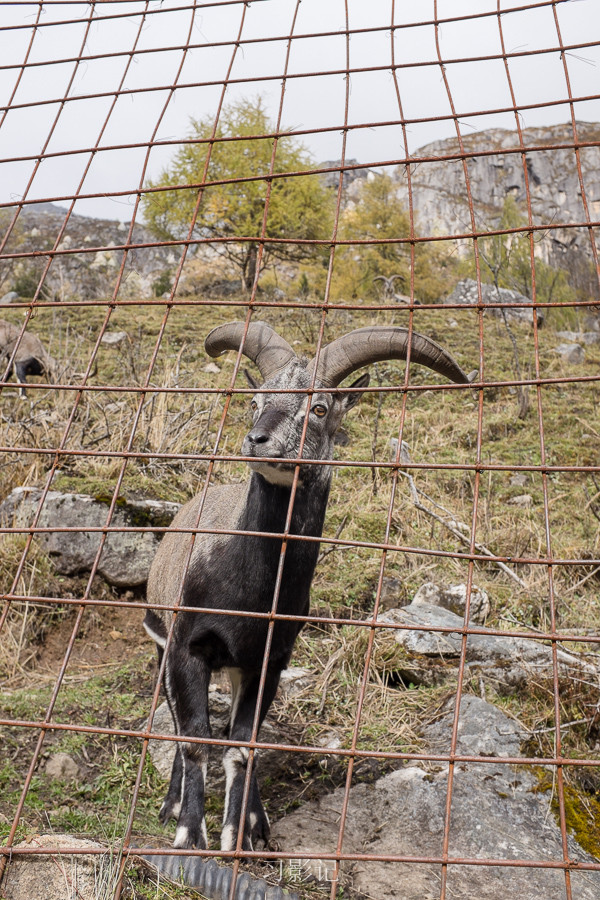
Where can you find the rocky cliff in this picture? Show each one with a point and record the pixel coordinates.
(440, 196)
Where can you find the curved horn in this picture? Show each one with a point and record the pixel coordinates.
(364, 346)
(262, 345)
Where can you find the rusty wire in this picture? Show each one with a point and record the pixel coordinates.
(33, 24)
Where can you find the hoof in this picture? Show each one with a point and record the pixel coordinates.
(260, 830)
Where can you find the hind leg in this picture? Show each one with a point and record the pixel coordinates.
(186, 685)
(171, 806)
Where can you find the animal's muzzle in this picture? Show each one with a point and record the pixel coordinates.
(262, 440)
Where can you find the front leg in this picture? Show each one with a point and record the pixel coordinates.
(186, 683)
(235, 762)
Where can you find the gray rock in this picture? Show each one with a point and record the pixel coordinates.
(519, 479)
(391, 592)
(62, 766)
(572, 353)
(438, 186)
(509, 662)
(467, 292)
(330, 740)
(483, 730)
(295, 680)
(113, 338)
(404, 451)
(10, 297)
(84, 274)
(211, 368)
(523, 500)
(454, 598)
(580, 337)
(60, 875)
(162, 753)
(126, 556)
(496, 813)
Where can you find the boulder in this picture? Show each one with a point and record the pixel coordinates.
(60, 875)
(113, 338)
(430, 657)
(522, 500)
(497, 812)
(295, 680)
(580, 337)
(466, 292)
(126, 556)
(404, 451)
(454, 598)
(483, 730)
(571, 353)
(519, 479)
(391, 592)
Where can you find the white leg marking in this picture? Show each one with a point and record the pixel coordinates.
(182, 795)
(158, 638)
(228, 837)
(181, 836)
(235, 677)
(231, 766)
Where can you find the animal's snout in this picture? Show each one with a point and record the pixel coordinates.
(258, 436)
(265, 428)
(263, 438)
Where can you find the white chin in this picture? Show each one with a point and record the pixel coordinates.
(273, 474)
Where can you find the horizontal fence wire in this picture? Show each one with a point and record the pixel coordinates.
(98, 101)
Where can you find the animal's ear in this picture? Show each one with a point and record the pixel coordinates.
(251, 380)
(351, 399)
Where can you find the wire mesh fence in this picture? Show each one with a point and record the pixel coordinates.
(170, 168)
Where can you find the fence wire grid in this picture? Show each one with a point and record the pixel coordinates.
(493, 484)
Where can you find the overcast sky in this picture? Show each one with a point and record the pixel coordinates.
(36, 122)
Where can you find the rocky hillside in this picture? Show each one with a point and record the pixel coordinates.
(88, 274)
(440, 196)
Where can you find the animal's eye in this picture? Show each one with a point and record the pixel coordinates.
(319, 410)
(254, 406)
